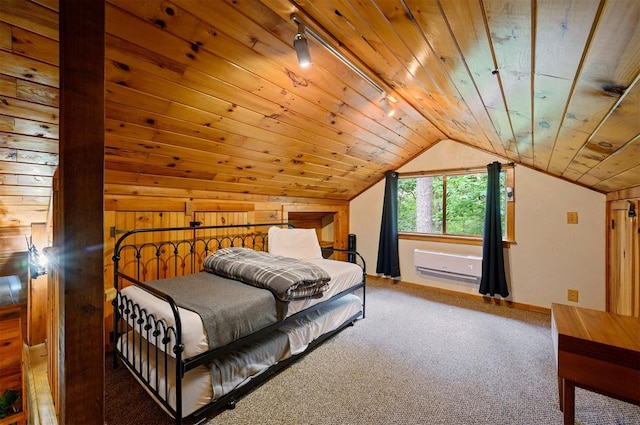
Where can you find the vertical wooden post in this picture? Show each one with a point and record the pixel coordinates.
(37, 308)
(623, 258)
(82, 25)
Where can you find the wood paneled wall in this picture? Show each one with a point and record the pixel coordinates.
(169, 208)
(29, 111)
(189, 203)
(623, 252)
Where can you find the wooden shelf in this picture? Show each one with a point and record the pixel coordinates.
(326, 244)
(12, 321)
(17, 418)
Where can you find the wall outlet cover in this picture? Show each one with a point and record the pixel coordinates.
(572, 295)
(572, 217)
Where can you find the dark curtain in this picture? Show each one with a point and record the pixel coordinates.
(493, 279)
(388, 260)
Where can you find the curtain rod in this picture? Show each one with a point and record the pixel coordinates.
(465, 170)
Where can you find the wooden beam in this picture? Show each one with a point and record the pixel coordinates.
(80, 235)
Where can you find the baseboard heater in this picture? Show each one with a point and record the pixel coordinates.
(467, 267)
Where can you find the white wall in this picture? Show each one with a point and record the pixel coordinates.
(549, 256)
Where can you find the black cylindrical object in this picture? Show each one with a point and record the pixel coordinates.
(351, 246)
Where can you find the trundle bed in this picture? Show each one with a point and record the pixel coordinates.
(202, 319)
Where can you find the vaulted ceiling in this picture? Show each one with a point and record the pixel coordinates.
(211, 91)
(208, 95)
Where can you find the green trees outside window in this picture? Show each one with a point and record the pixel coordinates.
(445, 204)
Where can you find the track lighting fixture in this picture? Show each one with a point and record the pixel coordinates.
(301, 44)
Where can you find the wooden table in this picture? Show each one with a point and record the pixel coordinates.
(597, 351)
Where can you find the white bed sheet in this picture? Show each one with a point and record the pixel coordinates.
(309, 327)
(198, 388)
(343, 276)
(194, 337)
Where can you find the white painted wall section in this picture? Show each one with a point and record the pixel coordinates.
(549, 256)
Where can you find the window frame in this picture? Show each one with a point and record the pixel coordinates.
(509, 237)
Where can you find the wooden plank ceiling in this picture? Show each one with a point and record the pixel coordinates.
(208, 95)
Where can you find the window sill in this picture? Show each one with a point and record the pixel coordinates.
(462, 240)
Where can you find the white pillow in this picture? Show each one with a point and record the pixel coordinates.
(295, 243)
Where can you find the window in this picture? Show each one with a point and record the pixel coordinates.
(450, 204)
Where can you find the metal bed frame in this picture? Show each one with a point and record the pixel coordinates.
(155, 335)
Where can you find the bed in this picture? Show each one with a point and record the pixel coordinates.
(203, 315)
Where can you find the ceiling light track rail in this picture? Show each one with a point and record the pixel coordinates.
(336, 53)
(300, 43)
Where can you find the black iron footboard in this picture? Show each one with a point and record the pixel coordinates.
(143, 341)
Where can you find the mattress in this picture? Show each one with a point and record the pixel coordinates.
(344, 275)
(235, 369)
(230, 310)
(194, 337)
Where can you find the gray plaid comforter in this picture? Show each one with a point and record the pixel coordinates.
(287, 278)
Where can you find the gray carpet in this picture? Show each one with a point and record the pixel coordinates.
(420, 357)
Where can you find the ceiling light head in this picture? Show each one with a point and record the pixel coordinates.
(301, 44)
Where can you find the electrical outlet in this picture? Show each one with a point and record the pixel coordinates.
(572, 295)
(572, 217)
